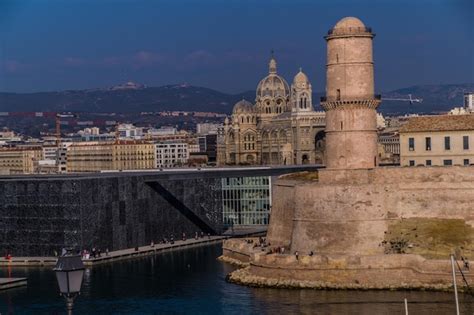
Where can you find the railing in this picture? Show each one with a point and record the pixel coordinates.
(349, 30)
(376, 96)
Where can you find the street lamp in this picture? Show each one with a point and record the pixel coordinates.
(69, 273)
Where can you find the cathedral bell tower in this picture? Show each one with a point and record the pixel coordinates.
(350, 103)
(301, 93)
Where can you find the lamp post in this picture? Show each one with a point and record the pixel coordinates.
(69, 273)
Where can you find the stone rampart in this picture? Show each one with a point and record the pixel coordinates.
(350, 212)
(379, 271)
(384, 271)
(237, 249)
(381, 228)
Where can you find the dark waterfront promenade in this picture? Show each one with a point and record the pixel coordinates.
(9, 283)
(113, 256)
(192, 281)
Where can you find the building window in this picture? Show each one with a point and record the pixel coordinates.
(338, 94)
(245, 200)
(428, 143)
(412, 162)
(447, 143)
(447, 162)
(466, 162)
(411, 144)
(428, 162)
(465, 142)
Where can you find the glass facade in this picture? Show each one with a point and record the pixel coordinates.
(246, 200)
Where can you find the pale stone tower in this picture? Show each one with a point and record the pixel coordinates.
(350, 103)
(301, 93)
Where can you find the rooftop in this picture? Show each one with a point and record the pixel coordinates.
(3, 149)
(439, 123)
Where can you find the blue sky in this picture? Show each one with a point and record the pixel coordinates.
(225, 45)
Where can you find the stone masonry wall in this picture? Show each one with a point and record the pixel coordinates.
(349, 212)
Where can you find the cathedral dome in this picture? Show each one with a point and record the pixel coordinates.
(349, 22)
(243, 106)
(272, 85)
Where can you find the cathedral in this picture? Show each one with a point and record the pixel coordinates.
(281, 128)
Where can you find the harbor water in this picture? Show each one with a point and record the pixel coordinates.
(192, 281)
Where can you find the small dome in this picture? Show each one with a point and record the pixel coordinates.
(349, 22)
(300, 77)
(243, 106)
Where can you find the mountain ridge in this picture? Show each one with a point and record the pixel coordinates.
(131, 97)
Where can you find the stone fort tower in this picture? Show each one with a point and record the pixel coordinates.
(350, 103)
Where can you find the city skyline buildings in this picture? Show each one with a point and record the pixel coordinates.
(87, 44)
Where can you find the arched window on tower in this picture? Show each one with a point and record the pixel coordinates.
(248, 119)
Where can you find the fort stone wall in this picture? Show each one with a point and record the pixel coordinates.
(351, 211)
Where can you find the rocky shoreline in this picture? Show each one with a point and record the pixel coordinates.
(243, 276)
(233, 261)
(338, 272)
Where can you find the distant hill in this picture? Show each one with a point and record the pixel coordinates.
(146, 99)
(184, 97)
(436, 98)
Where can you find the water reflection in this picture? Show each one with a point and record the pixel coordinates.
(193, 282)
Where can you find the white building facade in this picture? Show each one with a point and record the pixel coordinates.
(129, 131)
(469, 102)
(171, 154)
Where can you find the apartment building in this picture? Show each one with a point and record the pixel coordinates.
(122, 155)
(171, 154)
(20, 160)
(442, 140)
